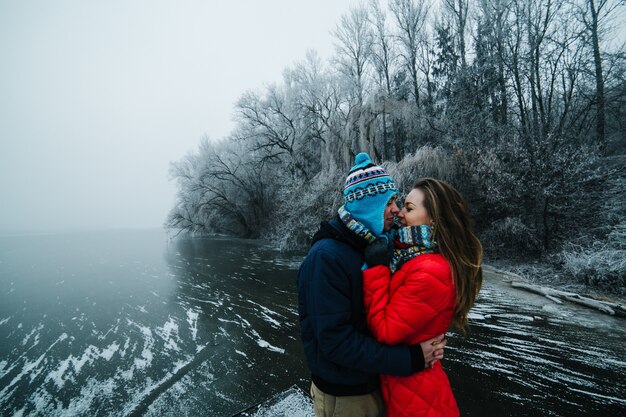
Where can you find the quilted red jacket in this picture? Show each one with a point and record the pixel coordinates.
(413, 306)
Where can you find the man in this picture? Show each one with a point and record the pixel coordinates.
(344, 360)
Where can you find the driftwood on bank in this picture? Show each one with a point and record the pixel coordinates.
(557, 296)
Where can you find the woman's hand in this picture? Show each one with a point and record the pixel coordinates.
(433, 350)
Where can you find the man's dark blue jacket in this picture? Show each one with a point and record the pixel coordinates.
(343, 357)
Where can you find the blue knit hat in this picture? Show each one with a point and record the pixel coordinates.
(366, 193)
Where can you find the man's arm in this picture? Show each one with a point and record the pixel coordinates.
(329, 305)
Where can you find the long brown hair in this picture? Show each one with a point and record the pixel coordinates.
(457, 242)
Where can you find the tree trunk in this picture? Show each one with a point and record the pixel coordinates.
(385, 152)
(501, 77)
(546, 225)
(415, 83)
(599, 76)
(398, 138)
(462, 16)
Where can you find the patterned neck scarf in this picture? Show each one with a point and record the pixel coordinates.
(410, 242)
(355, 226)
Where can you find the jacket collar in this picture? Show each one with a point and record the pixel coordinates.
(335, 229)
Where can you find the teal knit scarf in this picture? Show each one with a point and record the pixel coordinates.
(355, 226)
(410, 242)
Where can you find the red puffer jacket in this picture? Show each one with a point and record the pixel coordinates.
(415, 305)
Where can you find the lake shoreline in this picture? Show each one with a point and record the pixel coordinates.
(544, 274)
(536, 272)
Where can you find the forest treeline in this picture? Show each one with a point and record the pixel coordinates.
(520, 104)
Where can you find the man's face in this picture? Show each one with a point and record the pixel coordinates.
(391, 210)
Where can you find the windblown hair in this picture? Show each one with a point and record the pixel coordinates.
(457, 242)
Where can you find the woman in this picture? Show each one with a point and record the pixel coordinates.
(432, 281)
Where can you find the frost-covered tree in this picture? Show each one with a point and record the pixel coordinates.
(594, 15)
(325, 104)
(493, 28)
(353, 43)
(222, 191)
(505, 99)
(277, 131)
(457, 10)
(383, 48)
(410, 19)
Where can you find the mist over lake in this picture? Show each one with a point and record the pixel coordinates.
(129, 323)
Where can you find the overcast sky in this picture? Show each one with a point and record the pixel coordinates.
(97, 97)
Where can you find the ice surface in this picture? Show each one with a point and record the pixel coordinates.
(89, 356)
(169, 333)
(265, 344)
(290, 403)
(32, 332)
(475, 316)
(146, 354)
(29, 366)
(267, 314)
(192, 319)
(606, 397)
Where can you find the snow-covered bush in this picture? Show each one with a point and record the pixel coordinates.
(303, 206)
(602, 263)
(506, 237)
(426, 161)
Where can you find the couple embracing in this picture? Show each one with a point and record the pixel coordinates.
(375, 299)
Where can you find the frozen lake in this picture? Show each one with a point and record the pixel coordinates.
(129, 323)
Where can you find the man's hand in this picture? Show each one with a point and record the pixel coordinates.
(433, 350)
(378, 253)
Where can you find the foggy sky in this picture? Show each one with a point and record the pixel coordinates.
(97, 97)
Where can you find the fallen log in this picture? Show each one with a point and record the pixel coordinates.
(542, 290)
(556, 296)
(556, 300)
(588, 302)
(615, 306)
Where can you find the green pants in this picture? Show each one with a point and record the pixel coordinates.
(326, 405)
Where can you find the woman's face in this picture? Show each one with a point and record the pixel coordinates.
(413, 213)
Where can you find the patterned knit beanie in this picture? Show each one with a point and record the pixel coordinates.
(366, 193)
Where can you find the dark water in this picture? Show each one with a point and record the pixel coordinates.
(129, 323)
(526, 356)
(125, 323)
